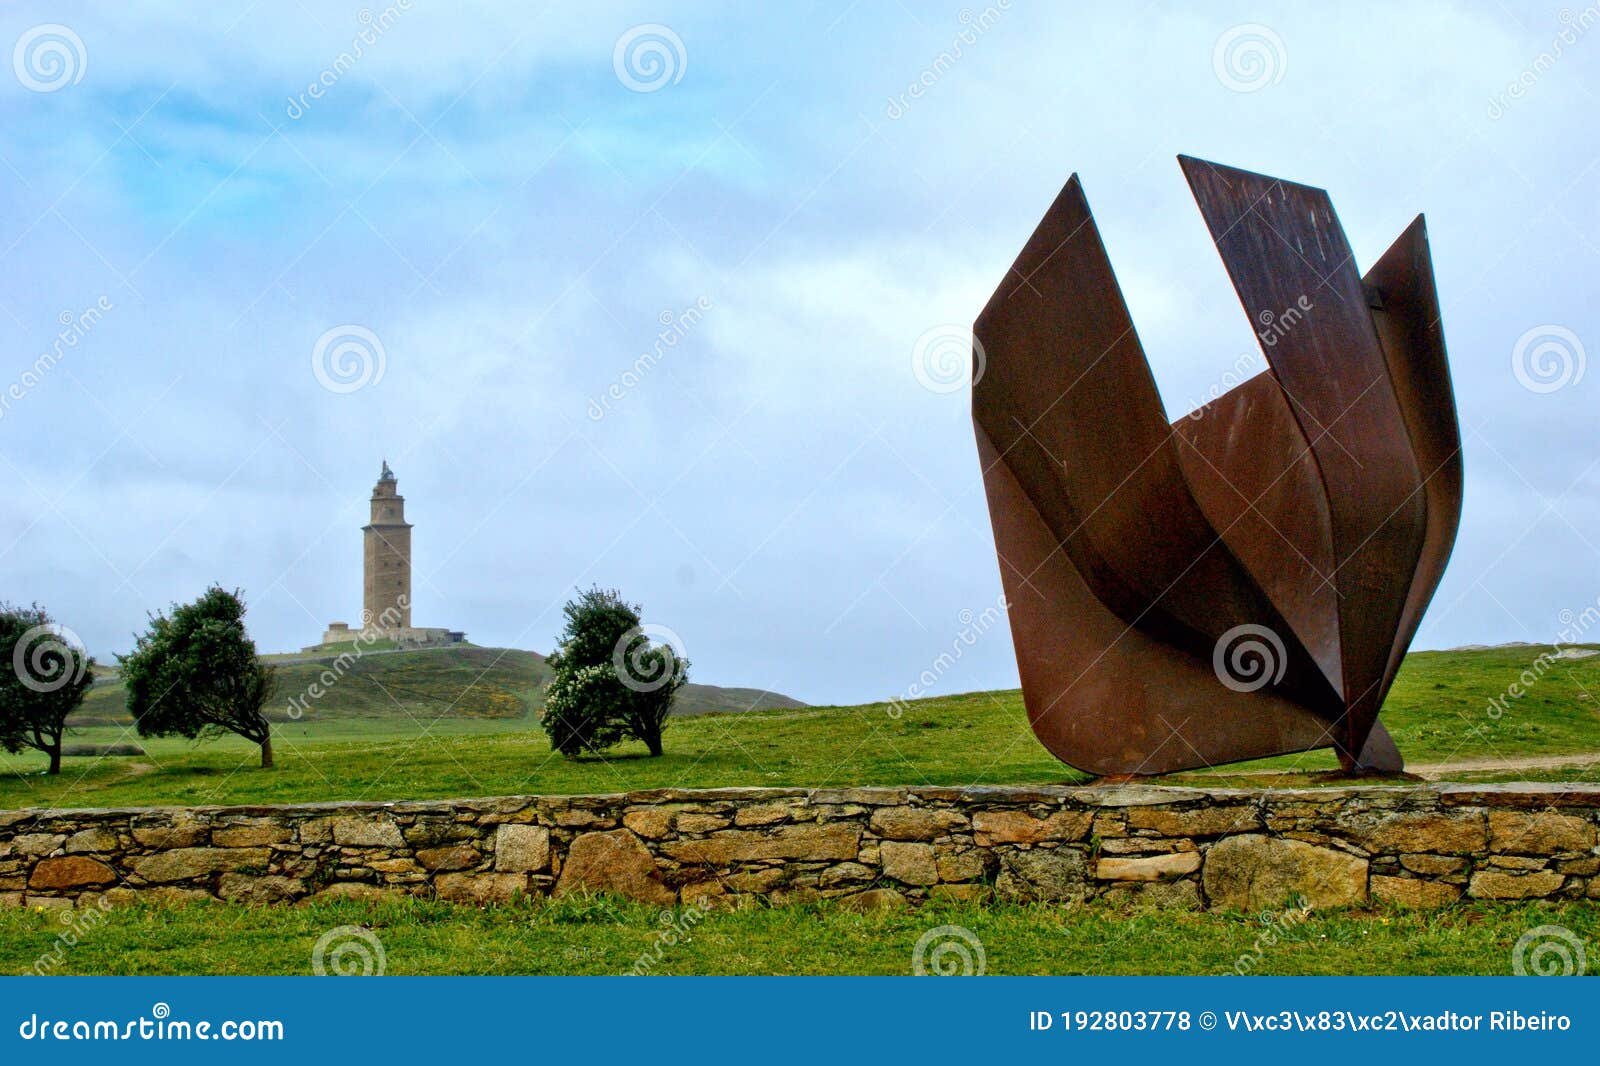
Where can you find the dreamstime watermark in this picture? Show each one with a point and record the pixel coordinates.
(649, 657)
(1275, 927)
(157, 1025)
(79, 922)
(349, 951)
(372, 631)
(1548, 358)
(348, 358)
(1249, 57)
(1575, 625)
(973, 626)
(373, 27)
(677, 928)
(1549, 951)
(675, 327)
(949, 951)
(49, 657)
(1574, 27)
(649, 57)
(1247, 366)
(945, 358)
(49, 57)
(973, 26)
(1530, 676)
(1249, 657)
(1272, 328)
(74, 328)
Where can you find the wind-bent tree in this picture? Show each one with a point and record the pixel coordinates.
(43, 677)
(652, 674)
(196, 674)
(610, 681)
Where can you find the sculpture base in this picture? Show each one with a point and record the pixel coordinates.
(1364, 775)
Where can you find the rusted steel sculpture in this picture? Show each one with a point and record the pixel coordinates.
(1245, 581)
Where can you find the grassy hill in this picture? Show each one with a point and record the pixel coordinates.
(460, 681)
(1440, 712)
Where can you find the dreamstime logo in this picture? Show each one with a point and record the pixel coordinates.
(1249, 57)
(1575, 627)
(1548, 358)
(348, 358)
(1249, 657)
(676, 928)
(943, 358)
(74, 328)
(371, 631)
(649, 657)
(49, 657)
(1573, 27)
(974, 625)
(1274, 928)
(675, 327)
(49, 58)
(348, 951)
(949, 951)
(80, 922)
(649, 58)
(1275, 327)
(1272, 329)
(373, 27)
(1549, 951)
(974, 24)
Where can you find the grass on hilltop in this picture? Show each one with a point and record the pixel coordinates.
(458, 681)
(1439, 711)
(601, 936)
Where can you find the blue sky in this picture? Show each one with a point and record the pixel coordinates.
(484, 192)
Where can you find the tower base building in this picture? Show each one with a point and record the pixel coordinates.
(386, 578)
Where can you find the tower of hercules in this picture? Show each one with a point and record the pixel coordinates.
(386, 593)
(386, 577)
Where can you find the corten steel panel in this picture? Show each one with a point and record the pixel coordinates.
(1102, 695)
(1282, 244)
(1085, 435)
(1251, 469)
(1412, 334)
(1316, 502)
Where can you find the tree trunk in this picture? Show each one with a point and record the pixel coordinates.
(55, 757)
(652, 740)
(266, 751)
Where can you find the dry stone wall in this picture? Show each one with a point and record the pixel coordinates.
(1227, 849)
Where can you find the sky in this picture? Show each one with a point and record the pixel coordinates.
(676, 297)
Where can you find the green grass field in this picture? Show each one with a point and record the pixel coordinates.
(435, 741)
(1439, 712)
(600, 936)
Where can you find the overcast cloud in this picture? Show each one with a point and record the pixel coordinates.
(486, 190)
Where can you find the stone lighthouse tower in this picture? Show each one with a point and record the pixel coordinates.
(386, 578)
(386, 592)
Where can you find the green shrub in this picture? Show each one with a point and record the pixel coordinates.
(610, 680)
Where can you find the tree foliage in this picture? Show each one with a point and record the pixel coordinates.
(43, 677)
(196, 674)
(610, 680)
(583, 709)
